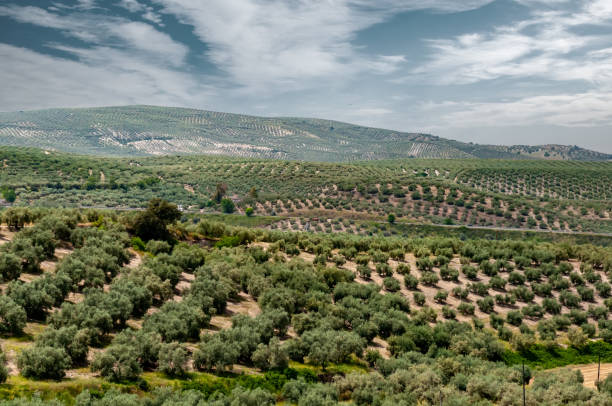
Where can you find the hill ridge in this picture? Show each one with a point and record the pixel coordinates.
(140, 130)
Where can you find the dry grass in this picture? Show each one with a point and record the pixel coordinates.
(589, 372)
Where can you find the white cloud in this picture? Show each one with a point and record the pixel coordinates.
(132, 6)
(146, 11)
(294, 43)
(101, 77)
(544, 45)
(99, 29)
(588, 109)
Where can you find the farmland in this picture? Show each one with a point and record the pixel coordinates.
(245, 281)
(564, 196)
(92, 301)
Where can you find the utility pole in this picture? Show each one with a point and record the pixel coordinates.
(598, 369)
(524, 397)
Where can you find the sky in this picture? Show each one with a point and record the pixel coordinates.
(494, 72)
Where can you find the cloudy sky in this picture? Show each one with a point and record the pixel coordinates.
(499, 72)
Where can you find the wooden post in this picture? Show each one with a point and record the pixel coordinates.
(524, 397)
(598, 369)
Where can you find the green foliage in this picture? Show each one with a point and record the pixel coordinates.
(152, 224)
(3, 369)
(173, 359)
(12, 316)
(74, 342)
(176, 321)
(9, 195)
(138, 244)
(548, 357)
(43, 362)
(117, 363)
(227, 205)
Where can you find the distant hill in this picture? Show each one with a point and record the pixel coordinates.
(150, 130)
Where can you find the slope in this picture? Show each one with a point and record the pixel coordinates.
(150, 130)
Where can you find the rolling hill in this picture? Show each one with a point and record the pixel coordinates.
(150, 130)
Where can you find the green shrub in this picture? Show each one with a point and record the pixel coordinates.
(43, 362)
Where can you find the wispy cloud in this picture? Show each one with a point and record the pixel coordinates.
(101, 77)
(544, 45)
(100, 30)
(147, 12)
(588, 109)
(290, 43)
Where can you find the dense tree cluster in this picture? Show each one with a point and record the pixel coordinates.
(336, 309)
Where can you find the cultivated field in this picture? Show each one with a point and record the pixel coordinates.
(537, 195)
(267, 316)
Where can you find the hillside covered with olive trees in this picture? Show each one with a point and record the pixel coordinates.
(208, 280)
(151, 130)
(130, 308)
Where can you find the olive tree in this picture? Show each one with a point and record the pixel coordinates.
(43, 362)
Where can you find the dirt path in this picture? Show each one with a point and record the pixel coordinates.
(135, 261)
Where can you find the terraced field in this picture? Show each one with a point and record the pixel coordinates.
(149, 130)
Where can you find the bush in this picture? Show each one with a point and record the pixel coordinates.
(138, 244)
(43, 362)
(152, 224)
(419, 298)
(449, 313)
(429, 278)
(3, 369)
(486, 304)
(411, 282)
(118, 363)
(228, 206)
(449, 274)
(364, 271)
(157, 247)
(516, 278)
(12, 316)
(10, 266)
(249, 211)
(551, 306)
(74, 342)
(391, 284)
(173, 359)
(441, 296)
(466, 308)
(514, 317)
(176, 321)
(470, 272)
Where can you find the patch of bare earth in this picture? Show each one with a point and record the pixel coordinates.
(135, 259)
(245, 304)
(380, 345)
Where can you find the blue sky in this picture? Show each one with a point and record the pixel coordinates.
(498, 72)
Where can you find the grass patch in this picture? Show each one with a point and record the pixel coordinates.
(543, 357)
(65, 390)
